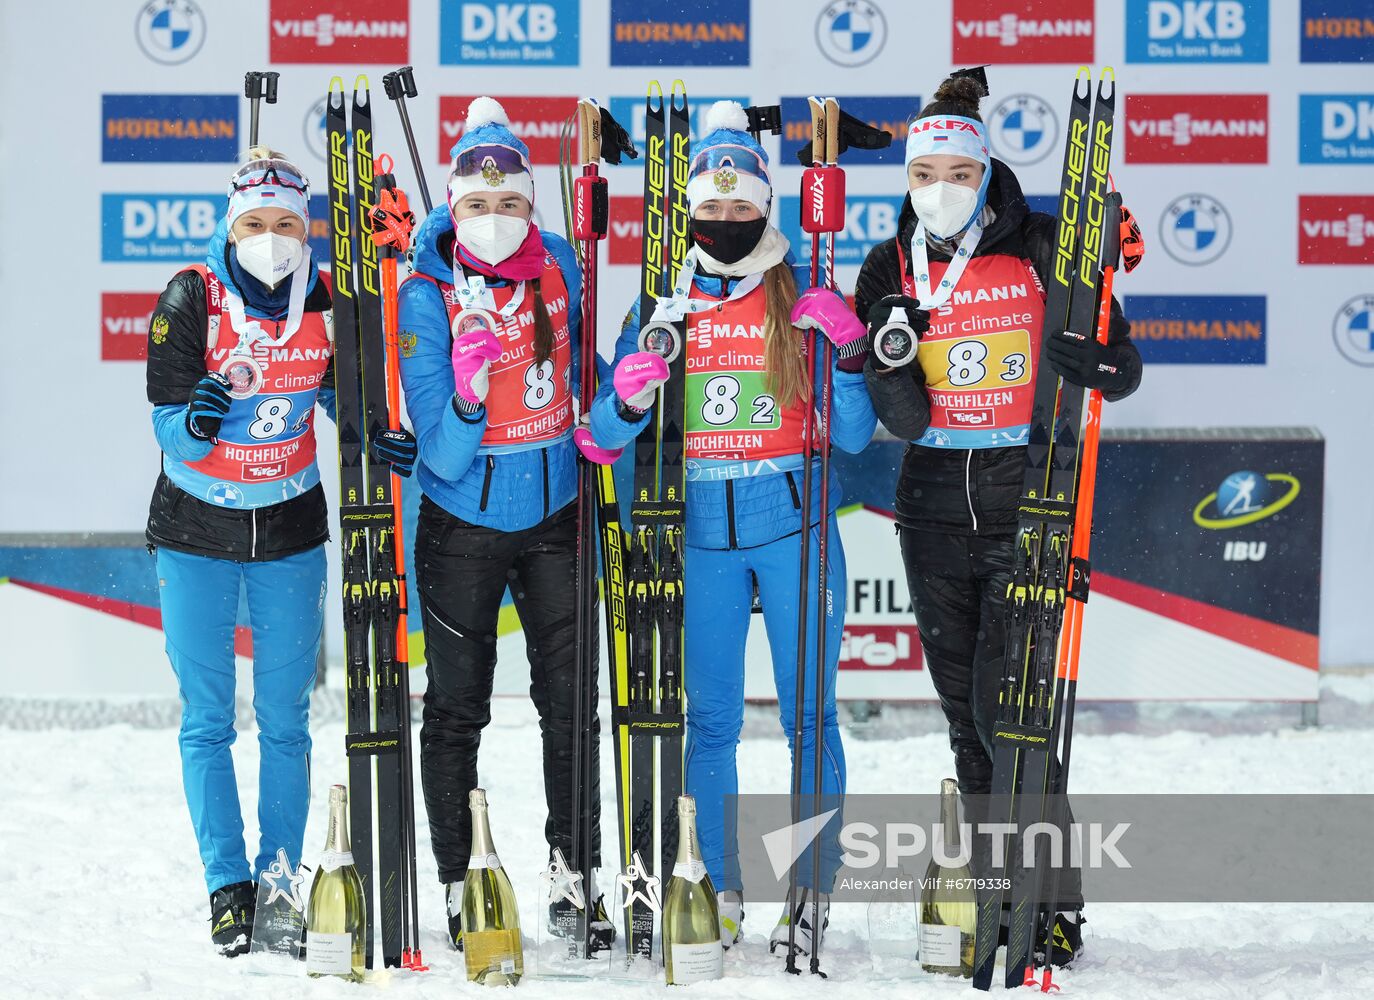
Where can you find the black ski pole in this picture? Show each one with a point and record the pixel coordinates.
(257, 87)
(400, 84)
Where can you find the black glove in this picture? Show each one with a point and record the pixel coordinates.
(880, 314)
(1085, 361)
(397, 449)
(209, 403)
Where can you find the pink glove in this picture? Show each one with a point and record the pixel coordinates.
(473, 353)
(821, 309)
(591, 451)
(637, 378)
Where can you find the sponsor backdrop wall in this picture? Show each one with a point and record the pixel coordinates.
(1245, 147)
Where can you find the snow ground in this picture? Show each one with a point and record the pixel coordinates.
(101, 892)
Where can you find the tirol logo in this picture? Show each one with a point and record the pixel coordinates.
(538, 121)
(1336, 128)
(169, 128)
(869, 220)
(1023, 31)
(626, 236)
(315, 128)
(668, 32)
(1198, 329)
(879, 632)
(170, 31)
(1195, 229)
(1335, 229)
(157, 227)
(124, 325)
(345, 31)
(851, 32)
(629, 111)
(1353, 329)
(484, 32)
(1197, 128)
(1023, 129)
(1246, 497)
(888, 113)
(1193, 31)
(1337, 31)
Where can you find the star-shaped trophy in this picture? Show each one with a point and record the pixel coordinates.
(561, 883)
(281, 873)
(635, 875)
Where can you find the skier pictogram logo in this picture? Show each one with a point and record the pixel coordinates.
(1245, 497)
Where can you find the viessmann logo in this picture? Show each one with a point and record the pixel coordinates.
(124, 325)
(1335, 229)
(536, 120)
(1004, 31)
(1245, 497)
(344, 31)
(1197, 128)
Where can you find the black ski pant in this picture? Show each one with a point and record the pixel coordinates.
(958, 585)
(462, 571)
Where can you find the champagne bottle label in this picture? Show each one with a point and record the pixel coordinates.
(939, 945)
(697, 963)
(484, 861)
(333, 860)
(691, 869)
(329, 954)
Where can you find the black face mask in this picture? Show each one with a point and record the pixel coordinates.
(728, 241)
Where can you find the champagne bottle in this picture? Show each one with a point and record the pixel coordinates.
(336, 921)
(949, 903)
(691, 916)
(492, 948)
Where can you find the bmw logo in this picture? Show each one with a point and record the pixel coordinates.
(170, 31)
(1195, 229)
(1354, 330)
(224, 494)
(851, 32)
(315, 128)
(1023, 129)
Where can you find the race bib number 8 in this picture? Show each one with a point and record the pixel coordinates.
(990, 361)
(735, 402)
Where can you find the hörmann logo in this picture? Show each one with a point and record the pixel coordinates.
(659, 32)
(1337, 31)
(1197, 128)
(1335, 229)
(169, 128)
(1198, 329)
(888, 113)
(347, 31)
(998, 31)
(1191, 31)
(1336, 128)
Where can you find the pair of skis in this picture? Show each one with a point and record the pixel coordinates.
(1050, 572)
(374, 596)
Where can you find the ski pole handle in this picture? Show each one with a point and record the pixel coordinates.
(257, 87)
(400, 84)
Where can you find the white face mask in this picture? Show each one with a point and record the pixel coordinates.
(270, 257)
(945, 208)
(492, 237)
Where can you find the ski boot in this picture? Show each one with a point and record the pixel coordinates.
(232, 908)
(453, 903)
(1068, 939)
(805, 916)
(731, 906)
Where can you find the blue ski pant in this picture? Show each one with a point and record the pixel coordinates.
(719, 588)
(200, 599)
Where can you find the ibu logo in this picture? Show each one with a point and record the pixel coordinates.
(1191, 31)
(868, 221)
(1195, 229)
(632, 114)
(157, 227)
(1336, 128)
(535, 34)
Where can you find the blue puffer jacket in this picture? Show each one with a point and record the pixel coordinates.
(752, 510)
(506, 489)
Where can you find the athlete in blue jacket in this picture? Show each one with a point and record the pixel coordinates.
(747, 393)
(239, 353)
(489, 355)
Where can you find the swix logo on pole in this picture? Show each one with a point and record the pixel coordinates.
(536, 120)
(339, 31)
(1335, 229)
(1023, 31)
(1197, 128)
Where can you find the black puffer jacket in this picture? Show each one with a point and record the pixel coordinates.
(973, 491)
(185, 523)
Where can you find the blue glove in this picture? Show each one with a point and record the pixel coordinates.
(209, 403)
(397, 449)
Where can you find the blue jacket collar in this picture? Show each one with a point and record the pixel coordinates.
(258, 299)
